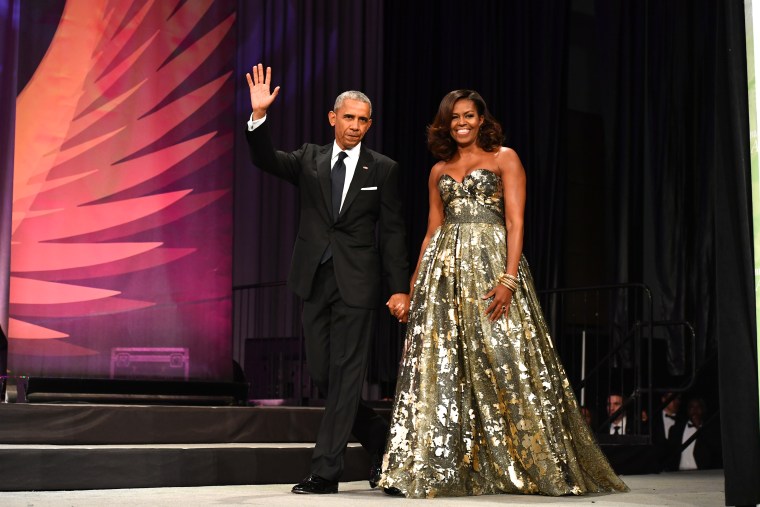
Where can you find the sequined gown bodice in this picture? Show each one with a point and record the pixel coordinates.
(483, 407)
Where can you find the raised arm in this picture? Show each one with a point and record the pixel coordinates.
(259, 85)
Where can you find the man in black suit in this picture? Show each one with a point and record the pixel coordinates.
(348, 194)
(662, 423)
(704, 449)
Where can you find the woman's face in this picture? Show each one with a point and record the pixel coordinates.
(465, 122)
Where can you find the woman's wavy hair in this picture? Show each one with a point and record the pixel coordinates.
(439, 140)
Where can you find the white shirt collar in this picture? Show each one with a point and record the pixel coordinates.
(352, 153)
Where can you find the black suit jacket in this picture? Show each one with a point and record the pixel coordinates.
(707, 446)
(368, 238)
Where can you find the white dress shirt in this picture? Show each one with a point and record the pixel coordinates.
(667, 423)
(352, 158)
(687, 455)
(621, 427)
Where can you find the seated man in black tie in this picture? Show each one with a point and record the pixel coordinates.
(663, 422)
(699, 443)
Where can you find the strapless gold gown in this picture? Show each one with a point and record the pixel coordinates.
(483, 407)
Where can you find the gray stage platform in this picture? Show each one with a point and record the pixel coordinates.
(693, 489)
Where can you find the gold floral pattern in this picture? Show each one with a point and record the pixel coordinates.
(483, 407)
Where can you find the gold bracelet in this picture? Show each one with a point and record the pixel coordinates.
(511, 282)
(508, 283)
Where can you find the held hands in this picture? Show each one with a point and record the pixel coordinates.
(258, 85)
(398, 305)
(502, 297)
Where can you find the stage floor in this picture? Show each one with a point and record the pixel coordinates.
(693, 489)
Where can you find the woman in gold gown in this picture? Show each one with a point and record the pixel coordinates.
(482, 403)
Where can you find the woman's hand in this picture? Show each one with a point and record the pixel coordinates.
(502, 296)
(398, 305)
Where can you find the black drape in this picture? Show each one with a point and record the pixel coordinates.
(513, 54)
(405, 56)
(656, 66)
(736, 329)
(673, 94)
(316, 51)
(668, 83)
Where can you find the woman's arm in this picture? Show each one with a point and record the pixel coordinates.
(513, 182)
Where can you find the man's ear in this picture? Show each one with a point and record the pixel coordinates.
(331, 117)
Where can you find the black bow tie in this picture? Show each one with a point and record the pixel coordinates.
(671, 416)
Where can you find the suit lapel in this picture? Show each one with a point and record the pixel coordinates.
(323, 175)
(361, 173)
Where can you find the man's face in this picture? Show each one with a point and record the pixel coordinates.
(351, 122)
(614, 402)
(696, 411)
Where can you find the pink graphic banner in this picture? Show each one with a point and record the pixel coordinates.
(122, 204)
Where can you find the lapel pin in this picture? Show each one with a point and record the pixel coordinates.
(365, 167)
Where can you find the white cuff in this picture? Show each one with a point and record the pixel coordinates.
(253, 124)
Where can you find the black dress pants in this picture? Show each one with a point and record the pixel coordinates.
(338, 340)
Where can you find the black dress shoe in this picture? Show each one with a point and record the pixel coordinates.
(393, 491)
(374, 472)
(315, 484)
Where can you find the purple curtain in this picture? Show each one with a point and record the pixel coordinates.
(9, 23)
(316, 51)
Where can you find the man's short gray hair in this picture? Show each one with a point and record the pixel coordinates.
(352, 95)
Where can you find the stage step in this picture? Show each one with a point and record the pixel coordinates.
(90, 446)
(67, 424)
(76, 467)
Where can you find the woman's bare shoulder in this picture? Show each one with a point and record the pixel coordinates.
(437, 169)
(507, 154)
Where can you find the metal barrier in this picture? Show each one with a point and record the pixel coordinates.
(605, 336)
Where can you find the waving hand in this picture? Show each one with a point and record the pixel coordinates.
(258, 84)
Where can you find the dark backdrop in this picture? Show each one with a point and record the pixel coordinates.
(673, 97)
(664, 110)
(662, 115)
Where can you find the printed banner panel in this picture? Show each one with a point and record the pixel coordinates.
(122, 204)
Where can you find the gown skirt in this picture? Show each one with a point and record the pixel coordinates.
(483, 407)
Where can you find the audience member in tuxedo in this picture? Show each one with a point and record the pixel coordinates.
(339, 266)
(664, 418)
(621, 425)
(662, 423)
(704, 451)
